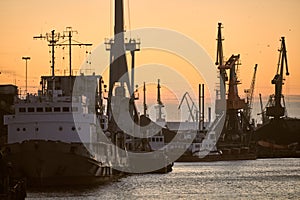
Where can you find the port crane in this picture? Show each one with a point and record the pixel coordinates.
(275, 109)
(249, 92)
(191, 106)
(263, 112)
(236, 128)
(159, 105)
(278, 132)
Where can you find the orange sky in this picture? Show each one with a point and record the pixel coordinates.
(251, 28)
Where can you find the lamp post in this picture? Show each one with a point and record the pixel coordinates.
(26, 58)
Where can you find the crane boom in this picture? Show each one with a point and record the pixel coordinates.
(249, 93)
(187, 97)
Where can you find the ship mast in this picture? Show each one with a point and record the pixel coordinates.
(69, 33)
(118, 62)
(52, 38)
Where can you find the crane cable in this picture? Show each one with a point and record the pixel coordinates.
(111, 17)
(129, 22)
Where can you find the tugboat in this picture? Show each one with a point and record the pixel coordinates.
(279, 136)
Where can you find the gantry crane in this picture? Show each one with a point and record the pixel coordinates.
(235, 130)
(278, 131)
(160, 105)
(275, 109)
(249, 92)
(262, 111)
(191, 107)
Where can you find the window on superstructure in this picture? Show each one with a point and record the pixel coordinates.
(48, 109)
(56, 109)
(22, 109)
(66, 109)
(39, 109)
(74, 109)
(30, 109)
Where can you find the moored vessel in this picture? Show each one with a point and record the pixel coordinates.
(279, 135)
(54, 139)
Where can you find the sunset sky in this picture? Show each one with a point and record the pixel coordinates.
(251, 28)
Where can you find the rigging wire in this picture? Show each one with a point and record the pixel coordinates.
(129, 22)
(111, 17)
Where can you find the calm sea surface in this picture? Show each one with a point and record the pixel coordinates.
(255, 179)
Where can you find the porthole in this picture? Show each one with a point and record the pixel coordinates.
(18, 129)
(24, 129)
(36, 129)
(73, 128)
(60, 128)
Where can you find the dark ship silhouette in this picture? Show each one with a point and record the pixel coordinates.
(279, 135)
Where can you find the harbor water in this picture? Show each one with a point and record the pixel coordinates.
(252, 179)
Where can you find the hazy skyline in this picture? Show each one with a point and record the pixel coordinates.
(251, 28)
